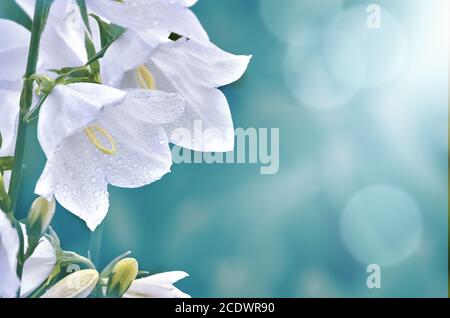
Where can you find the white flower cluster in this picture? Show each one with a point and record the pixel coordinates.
(116, 82)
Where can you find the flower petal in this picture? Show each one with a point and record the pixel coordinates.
(9, 110)
(38, 267)
(62, 42)
(186, 3)
(143, 154)
(167, 278)
(79, 284)
(154, 107)
(157, 286)
(201, 63)
(76, 179)
(195, 70)
(130, 50)
(7, 178)
(70, 108)
(14, 42)
(206, 124)
(140, 15)
(9, 247)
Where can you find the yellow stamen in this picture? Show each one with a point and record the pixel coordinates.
(145, 78)
(91, 133)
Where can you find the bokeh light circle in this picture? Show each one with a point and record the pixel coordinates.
(287, 19)
(381, 225)
(384, 48)
(311, 76)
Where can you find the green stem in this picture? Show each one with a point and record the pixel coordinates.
(26, 99)
(40, 18)
(16, 175)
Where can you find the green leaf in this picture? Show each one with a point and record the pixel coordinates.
(79, 72)
(80, 80)
(108, 33)
(28, 118)
(109, 30)
(90, 48)
(100, 53)
(105, 36)
(84, 13)
(68, 70)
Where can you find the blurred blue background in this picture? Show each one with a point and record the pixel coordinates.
(363, 118)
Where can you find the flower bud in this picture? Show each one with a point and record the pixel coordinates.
(121, 277)
(40, 215)
(77, 285)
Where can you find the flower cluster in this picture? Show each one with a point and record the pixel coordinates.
(112, 83)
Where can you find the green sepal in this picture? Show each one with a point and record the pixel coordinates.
(84, 13)
(6, 163)
(108, 33)
(90, 49)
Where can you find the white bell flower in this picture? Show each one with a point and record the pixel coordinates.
(94, 135)
(194, 68)
(157, 286)
(73, 137)
(9, 247)
(191, 68)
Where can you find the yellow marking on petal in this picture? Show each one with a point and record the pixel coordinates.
(145, 78)
(91, 133)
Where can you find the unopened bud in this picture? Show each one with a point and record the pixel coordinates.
(40, 215)
(77, 285)
(122, 275)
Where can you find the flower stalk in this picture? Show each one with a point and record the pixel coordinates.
(41, 12)
(40, 18)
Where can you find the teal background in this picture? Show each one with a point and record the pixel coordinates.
(312, 229)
